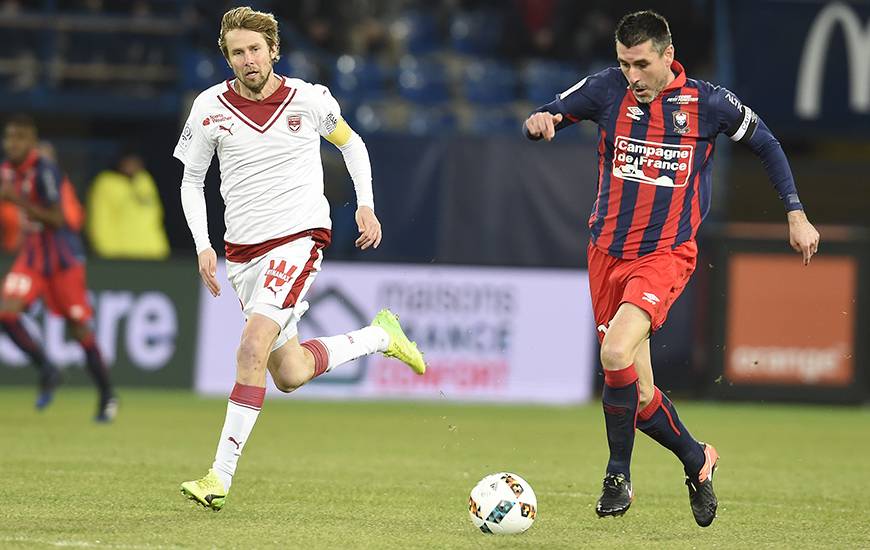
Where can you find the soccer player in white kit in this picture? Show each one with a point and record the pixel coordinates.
(266, 129)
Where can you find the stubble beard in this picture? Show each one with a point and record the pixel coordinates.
(258, 87)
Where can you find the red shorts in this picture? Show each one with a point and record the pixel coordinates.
(64, 292)
(652, 282)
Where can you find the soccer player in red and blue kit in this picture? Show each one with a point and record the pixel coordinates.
(49, 265)
(657, 132)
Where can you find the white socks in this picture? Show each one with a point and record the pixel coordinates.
(353, 345)
(242, 411)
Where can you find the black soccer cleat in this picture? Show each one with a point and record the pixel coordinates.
(616, 496)
(701, 495)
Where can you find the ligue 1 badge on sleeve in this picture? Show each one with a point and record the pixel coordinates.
(681, 122)
(294, 122)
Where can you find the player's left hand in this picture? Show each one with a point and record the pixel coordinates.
(369, 228)
(802, 236)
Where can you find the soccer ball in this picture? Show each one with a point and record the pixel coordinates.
(502, 504)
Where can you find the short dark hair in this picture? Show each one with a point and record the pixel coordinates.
(22, 121)
(640, 26)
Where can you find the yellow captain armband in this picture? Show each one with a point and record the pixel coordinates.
(341, 135)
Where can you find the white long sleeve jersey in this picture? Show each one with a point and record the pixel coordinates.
(269, 154)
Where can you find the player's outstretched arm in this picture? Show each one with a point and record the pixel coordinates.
(542, 125)
(802, 236)
(356, 158)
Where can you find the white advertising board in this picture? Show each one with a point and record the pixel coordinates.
(488, 334)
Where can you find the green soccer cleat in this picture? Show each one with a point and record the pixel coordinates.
(400, 347)
(208, 491)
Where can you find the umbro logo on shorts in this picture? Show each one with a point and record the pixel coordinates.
(651, 298)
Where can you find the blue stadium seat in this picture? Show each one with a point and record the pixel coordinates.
(489, 122)
(418, 30)
(544, 79)
(202, 70)
(487, 82)
(423, 80)
(298, 65)
(432, 121)
(357, 79)
(476, 33)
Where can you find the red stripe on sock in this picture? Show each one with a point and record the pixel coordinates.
(670, 420)
(620, 378)
(248, 396)
(320, 353)
(651, 408)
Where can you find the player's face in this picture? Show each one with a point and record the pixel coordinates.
(250, 58)
(17, 142)
(646, 70)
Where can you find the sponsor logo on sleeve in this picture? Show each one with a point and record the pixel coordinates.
(186, 138)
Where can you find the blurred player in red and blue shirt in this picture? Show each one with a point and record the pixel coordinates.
(50, 264)
(657, 132)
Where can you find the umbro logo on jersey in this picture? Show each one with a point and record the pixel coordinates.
(651, 298)
(634, 112)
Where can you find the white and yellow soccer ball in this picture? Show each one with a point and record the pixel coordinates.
(502, 504)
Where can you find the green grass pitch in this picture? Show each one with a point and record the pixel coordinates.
(397, 475)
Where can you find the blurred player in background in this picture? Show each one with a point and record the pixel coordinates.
(657, 130)
(50, 264)
(266, 129)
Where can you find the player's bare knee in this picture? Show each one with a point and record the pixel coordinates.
(251, 355)
(615, 356)
(288, 382)
(285, 385)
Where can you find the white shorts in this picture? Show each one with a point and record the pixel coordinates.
(275, 284)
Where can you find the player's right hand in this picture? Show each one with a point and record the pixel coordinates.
(543, 125)
(208, 271)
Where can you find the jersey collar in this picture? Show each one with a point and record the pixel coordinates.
(679, 81)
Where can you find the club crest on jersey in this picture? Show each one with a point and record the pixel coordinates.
(294, 122)
(681, 122)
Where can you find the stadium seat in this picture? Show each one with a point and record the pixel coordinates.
(542, 80)
(432, 121)
(357, 79)
(201, 70)
(489, 122)
(487, 82)
(298, 65)
(418, 32)
(476, 33)
(423, 80)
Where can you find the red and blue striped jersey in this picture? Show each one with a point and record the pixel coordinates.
(655, 159)
(45, 249)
